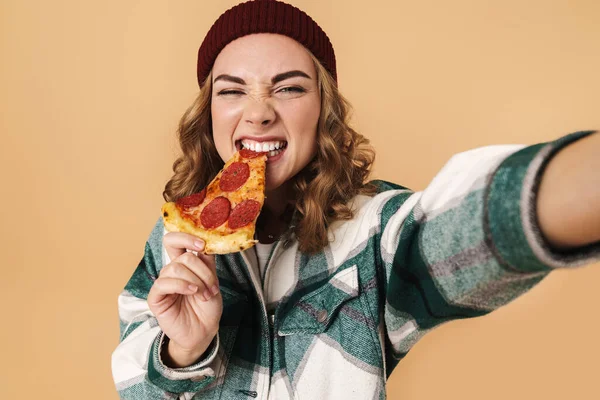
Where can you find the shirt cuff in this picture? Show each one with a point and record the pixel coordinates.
(511, 222)
(180, 380)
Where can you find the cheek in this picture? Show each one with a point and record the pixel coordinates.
(224, 115)
(304, 118)
(224, 121)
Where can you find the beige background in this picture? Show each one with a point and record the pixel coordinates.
(91, 93)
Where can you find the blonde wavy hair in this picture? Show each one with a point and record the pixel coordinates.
(323, 189)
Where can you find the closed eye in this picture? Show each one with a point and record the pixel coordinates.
(228, 92)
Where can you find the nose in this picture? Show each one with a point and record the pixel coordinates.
(259, 112)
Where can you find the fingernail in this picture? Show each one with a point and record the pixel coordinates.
(214, 290)
(199, 244)
(193, 288)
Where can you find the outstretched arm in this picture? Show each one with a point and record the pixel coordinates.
(471, 242)
(568, 204)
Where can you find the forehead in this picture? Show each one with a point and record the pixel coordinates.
(262, 56)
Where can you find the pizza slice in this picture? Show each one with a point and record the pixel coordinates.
(224, 213)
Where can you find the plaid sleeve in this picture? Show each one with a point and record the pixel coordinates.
(137, 368)
(469, 243)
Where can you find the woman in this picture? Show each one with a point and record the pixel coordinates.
(348, 275)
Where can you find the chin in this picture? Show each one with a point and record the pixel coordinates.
(271, 186)
(273, 183)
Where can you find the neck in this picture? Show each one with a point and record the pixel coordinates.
(278, 200)
(275, 216)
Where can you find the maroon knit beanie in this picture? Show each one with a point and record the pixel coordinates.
(264, 16)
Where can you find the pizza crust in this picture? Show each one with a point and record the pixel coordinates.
(215, 242)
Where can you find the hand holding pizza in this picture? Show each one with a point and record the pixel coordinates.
(220, 219)
(185, 299)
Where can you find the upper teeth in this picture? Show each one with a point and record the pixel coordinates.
(262, 146)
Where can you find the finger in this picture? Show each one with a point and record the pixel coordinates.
(181, 271)
(177, 243)
(206, 272)
(209, 260)
(166, 286)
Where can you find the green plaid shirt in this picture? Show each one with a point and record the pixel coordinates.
(335, 324)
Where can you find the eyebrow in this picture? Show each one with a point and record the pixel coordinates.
(276, 79)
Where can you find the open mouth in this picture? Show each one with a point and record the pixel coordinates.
(271, 148)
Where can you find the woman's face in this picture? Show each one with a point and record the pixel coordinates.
(265, 97)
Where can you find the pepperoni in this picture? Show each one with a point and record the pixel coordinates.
(215, 213)
(246, 153)
(234, 176)
(243, 214)
(192, 200)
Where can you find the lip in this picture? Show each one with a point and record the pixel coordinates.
(261, 138)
